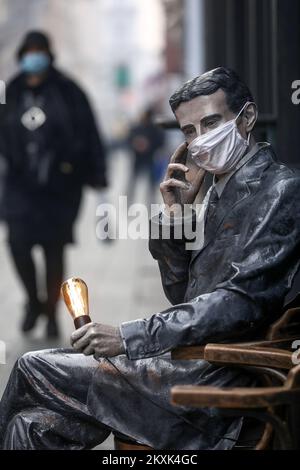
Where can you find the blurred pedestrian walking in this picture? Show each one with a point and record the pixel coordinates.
(145, 139)
(52, 147)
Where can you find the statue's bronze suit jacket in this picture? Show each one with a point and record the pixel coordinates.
(235, 285)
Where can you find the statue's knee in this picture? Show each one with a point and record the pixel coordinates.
(26, 360)
(30, 359)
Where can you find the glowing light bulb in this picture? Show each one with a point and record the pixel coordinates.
(75, 294)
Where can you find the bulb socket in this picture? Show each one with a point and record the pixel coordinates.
(81, 321)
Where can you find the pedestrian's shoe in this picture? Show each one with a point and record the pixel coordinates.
(52, 330)
(32, 312)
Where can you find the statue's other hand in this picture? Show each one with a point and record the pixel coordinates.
(98, 340)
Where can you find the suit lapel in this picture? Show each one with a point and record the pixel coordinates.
(236, 191)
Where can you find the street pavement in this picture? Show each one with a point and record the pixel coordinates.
(123, 279)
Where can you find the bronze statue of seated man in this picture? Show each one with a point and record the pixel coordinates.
(225, 284)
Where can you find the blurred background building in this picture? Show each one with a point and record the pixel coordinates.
(260, 39)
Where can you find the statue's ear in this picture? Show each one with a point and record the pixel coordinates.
(250, 114)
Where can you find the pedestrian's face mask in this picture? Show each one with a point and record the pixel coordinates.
(219, 150)
(35, 62)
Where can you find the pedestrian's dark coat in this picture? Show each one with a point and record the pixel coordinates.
(48, 166)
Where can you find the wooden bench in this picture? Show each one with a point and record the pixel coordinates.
(274, 404)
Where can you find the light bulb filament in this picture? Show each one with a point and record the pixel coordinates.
(75, 294)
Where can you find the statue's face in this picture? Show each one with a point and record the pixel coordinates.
(204, 113)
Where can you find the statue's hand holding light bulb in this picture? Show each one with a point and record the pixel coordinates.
(89, 338)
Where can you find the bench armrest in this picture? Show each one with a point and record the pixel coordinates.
(236, 398)
(248, 355)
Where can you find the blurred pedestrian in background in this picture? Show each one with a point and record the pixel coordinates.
(145, 140)
(52, 149)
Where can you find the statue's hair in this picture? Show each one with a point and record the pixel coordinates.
(236, 91)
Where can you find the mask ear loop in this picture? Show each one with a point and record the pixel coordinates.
(248, 102)
(241, 111)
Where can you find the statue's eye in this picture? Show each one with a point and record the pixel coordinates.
(211, 123)
(189, 131)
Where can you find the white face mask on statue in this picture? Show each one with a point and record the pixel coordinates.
(219, 150)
